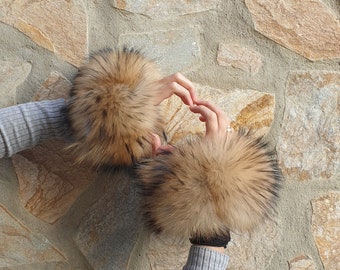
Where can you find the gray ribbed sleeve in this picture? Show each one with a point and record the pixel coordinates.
(201, 258)
(25, 125)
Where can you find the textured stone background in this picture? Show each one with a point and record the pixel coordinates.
(270, 64)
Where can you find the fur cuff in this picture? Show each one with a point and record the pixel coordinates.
(111, 112)
(206, 188)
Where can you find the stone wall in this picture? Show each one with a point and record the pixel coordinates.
(272, 65)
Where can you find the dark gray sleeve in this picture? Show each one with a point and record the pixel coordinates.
(25, 125)
(201, 258)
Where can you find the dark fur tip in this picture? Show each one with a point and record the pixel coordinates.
(105, 50)
(255, 174)
(108, 87)
(127, 49)
(151, 223)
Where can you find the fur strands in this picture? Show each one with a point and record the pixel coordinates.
(206, 188)
(111, 111)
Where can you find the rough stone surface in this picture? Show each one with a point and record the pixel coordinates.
(308, 146)
(240, 57)
(167, 253)
(109, 229)
(100, 229)
(326, 228)
(48, 24)
(307, 27)
(246, 251)
(49, 179)
(163, 45)
(12, 74)
(19, 245)
(255, 250)
(55, 86)
(246, 108)
(163, 9)
(302, 262)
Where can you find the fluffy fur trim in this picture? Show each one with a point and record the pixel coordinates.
(206, 188)
(111, 111)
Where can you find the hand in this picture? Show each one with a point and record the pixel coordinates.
(217, 124)
(179, 85)
(158, 148)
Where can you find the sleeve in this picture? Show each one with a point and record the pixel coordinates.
(25, 125)
(201, 258)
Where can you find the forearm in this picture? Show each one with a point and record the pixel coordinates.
(24, 126)
(205, 258)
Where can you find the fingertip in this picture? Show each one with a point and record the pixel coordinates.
(193, 108)
(200, 102)
(189, 102)
(156, 141)
(194, 99)
(202, 119)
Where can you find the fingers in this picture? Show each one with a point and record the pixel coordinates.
(165, 149)
(210, 119)
(158, 148)
(216, 121)
(180, 86)
(156, 144)
(186, 91)
(222, 119)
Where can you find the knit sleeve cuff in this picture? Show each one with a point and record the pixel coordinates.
(25, 125)
(205, 259)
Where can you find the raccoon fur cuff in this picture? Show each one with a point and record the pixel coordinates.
(206, 188)
(111, 111)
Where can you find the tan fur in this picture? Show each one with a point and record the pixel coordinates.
(207, 188)
(112, 112)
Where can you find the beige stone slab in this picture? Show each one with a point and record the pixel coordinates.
(239, 57)
(308, 27)
(12, 74)
(49, 179)
(109, 229)
(302, 262)
(19, 245)
(308, 146)
(253, 251)
(246, 251)
(246, 108)
(326, 228)
(57, 25)
(159, 9)
(55, 86)
(167, 253)
(174, 49)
